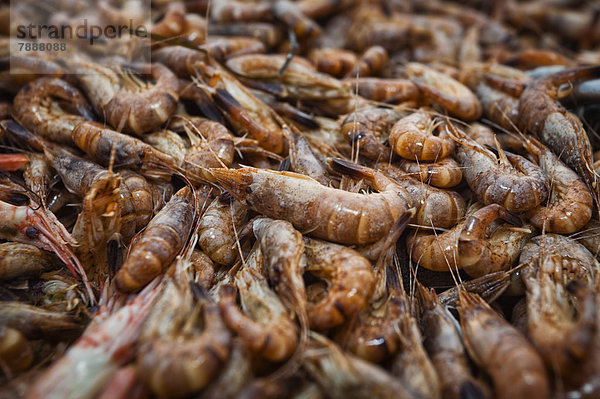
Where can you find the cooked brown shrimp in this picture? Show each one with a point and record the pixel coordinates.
(516, 369)
(105, 146)
(333, 61)
(184, 341)
(282, 248)
(570, 203)
(183, 61)
(440, 88)
(303, 158)
(444, 173)
(370, 63)
(412, 137)
(212, 144)
(36, 322)
(235, 10)
(23, 260)
(224, 48)
(391, 91)
(506, 179)
(443, 342)
(269, 34)
(350, 280)
(435, 207)
(367, 129)
(38, 176)
(264, 323)
(168, 142)
(16, 353)
(37, 111)
(288, 12)
(159, 244)
(541, 115)
(324, 212)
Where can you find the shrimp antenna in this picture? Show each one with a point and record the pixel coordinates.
(294, 46)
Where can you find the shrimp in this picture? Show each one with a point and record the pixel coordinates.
(38, 176)
(303, 159)
(443, 342)
(370, 63)
(95, 357)
(349, 277)
(264, 323)
(159, 244)
(13, 162)
(168, 142)
(16, 354)
(506, 179)
(327, 213)
(101, 143)
(570, 203)
(23, 260)
(367, 129)
(440, 88)
(235, 10)
(37, 111)
(217, 228)
(289, 13)
(343, 375)
(541, 115)
(36, 322)
(444, 173)
(516, 369)
(183, 61)
(269, 34)
(412, 138)
(391, 91)
(224, 48)
(125, 383)
(212, 145)
(282, 248)
(176, 356)
(435, 207)
(333, 61)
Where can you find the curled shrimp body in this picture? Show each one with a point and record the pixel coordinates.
(370, 62)
(184, 342)
(129, 152)
(440, 88)
(541, 115)
(570, 203)
(443, 342)
(211, 145)
(333, 61)
(264, 323)
(36, 110)
(516, 369)
(412, 138)
(22, 260)
(444, 173)
(303, 159)
(349, 277)
(35, 322)
(391, 91)
(367, 129)
(435, 207)
(324, 212)
(290, 13)
(38, 175)
(507, 179)
(181, 60)
(216, 230)
(159, 244)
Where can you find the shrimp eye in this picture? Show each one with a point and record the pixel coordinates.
(142, 155)
(139, 164)
(248, 190)
(32, 232)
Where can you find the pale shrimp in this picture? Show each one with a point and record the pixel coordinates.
(263, 323)
(506, 179)
(212, 145)
(235, 10)
(367, 130)
(344, 375)
(299, 80)
(282, 248)
(444, 173)
(217, 229)
(37, 110)
(333, 61)
(570, 204)
(184, 341)
(541, 115)
(303, 158)
(38, 176)
(434, 207)
(440, 88)
(269, 34)
(242, 109)
(183, 61)
(390, 91)
(16, 353)
(289, 13)
(443, 341)
(105, 146)
(159, 244)
(168, 142)
(224, 48)
(24, 260)
(94, 358)
(516, 369)
(35, 322)
(324, 212)
(370, 63)
(350, 280)
(234, 375)
(412, 137)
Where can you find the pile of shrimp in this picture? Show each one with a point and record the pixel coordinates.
(308, 199)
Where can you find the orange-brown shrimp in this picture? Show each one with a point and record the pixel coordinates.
(211, 145)
(303, 158)
(288, 12)
(444, 173)
(324, 212)
(391, 91)
(16, 353)
(36, 110)
(333, 61)
(516, 369)
(370, 63)
(349, 277)
(412, 138)
(235, 10)
(159, 244)
(440, 88)
(181, 60)
(23, 260)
